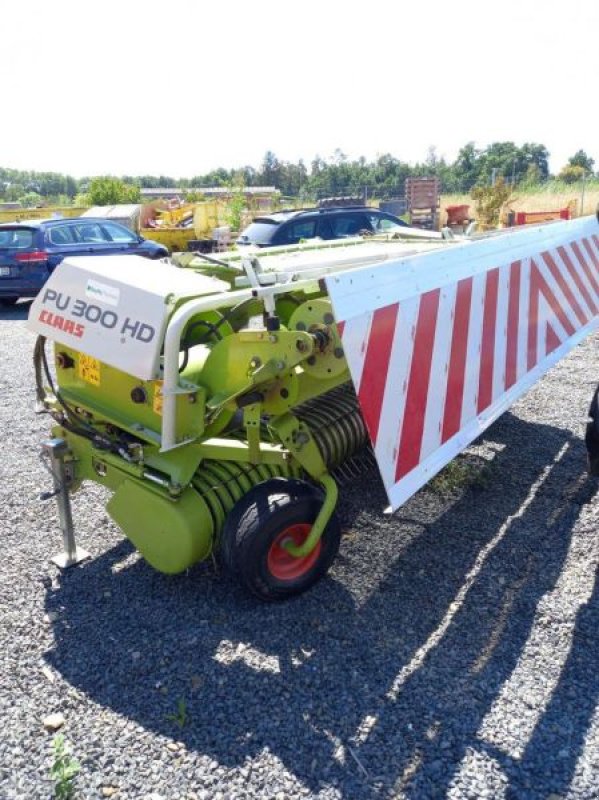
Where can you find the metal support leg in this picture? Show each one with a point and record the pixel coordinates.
(57, 450)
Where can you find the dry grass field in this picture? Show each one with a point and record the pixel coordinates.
(556, 197)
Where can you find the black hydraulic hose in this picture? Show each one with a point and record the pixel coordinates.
(230, 312)
(37, 365)
(75, 423)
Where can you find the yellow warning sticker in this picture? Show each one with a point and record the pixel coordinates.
(89, 369)
(157, 402)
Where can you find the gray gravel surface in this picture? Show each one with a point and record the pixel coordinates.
(452, 652)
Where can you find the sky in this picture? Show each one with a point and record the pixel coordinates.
(179, 88)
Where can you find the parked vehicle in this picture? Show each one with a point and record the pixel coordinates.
(293, 226)
(30, 251)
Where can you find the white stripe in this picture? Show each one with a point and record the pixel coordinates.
(475, 334)
(437, 389)
(523, 320)
(588, 262)
(557, 292)
(396, 388)
(547, 315)
(501, 331)
(595, 251)
(429, 467)
(581, 276)
(355, 341)
(594, 247)
(571, 284)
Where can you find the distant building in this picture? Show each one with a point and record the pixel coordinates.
(207, 191)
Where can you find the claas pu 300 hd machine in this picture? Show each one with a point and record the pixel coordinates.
(218, 398)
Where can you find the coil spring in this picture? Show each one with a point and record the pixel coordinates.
(336, 423)
(222, 483)
(338, 429)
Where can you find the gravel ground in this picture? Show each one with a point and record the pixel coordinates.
(452, 652)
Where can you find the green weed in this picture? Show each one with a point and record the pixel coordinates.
(64, 769)
(180, 717)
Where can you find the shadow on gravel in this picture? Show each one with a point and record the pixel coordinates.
(378, 679)
(559, 736)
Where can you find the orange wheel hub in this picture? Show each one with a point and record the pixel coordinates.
(281, 564)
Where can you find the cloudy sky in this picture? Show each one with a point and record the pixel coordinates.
(181, 87)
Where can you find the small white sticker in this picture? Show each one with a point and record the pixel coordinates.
(256, 323)
(102, 292)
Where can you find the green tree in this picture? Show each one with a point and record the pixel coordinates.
(499, 159)
(534, 155)
(217, 177)
(293, 178)
(466, 167)
(581, 159)
(270, 171)
(572, 173)
(107, 191)
(14, 191)
(30, 200)
(532, 176)
(71, 186)
(235, 208)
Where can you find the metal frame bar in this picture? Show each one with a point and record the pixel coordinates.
(172, 345)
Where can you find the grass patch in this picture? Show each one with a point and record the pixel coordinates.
(462, 473)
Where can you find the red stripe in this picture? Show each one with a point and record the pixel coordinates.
(487, 348)
(457, 361)
(587, 270)
(539, 286)
(577, 279)
(513, 319)
(340, 328)
(561, 282)
(420, 372)
(376, 365)
(533, 318)
(552, 341)
(592, 254)
(596, 240)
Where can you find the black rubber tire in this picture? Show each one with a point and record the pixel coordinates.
(227, 544)
(256, 521)
(8, 301)
(591, 437)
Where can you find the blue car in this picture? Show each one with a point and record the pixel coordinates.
(29, 251)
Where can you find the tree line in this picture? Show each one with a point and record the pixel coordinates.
(525, 165)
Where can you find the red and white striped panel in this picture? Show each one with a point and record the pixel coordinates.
(439, 345)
